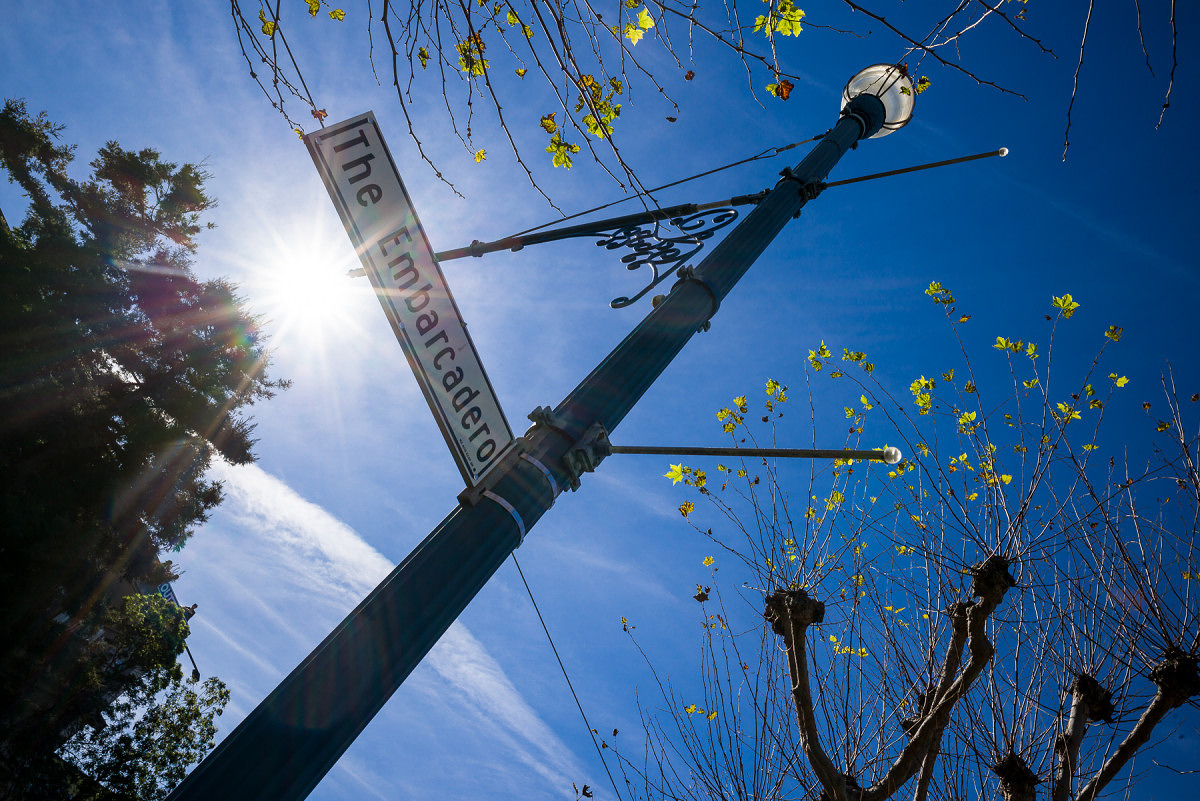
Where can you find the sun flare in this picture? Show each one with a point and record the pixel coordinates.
(308, 296)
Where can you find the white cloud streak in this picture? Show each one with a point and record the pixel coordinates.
(292, 554)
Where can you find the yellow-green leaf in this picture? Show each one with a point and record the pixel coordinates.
(337, 14)
(675, 474)
(561, 151)
(645, 21)
(480, 155)
(708, 560)
(1066, 303)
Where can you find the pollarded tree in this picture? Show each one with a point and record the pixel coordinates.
(121, 376)
(1011, 611)
(592, 60)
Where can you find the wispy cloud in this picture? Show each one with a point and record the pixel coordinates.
(291, 554)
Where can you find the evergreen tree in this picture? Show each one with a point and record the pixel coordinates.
(122, 375)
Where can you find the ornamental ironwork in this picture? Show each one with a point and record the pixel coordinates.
(651, 247)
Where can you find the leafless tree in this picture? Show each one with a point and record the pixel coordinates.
(593, 59)
(1011, 611)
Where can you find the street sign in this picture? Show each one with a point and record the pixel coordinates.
(380, 219)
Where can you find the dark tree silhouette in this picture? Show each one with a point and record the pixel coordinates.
(121, 376)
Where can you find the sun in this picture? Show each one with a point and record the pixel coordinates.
(306, 297)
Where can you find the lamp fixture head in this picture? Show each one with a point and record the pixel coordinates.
(891, 84)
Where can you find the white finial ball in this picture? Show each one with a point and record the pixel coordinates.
(892, 455)
(1003, 152)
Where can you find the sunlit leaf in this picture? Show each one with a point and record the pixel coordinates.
(561, 151)
(1066, 304)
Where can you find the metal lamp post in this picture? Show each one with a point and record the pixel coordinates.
(293, 738)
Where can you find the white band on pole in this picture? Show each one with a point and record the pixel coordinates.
(509, 507)
(546, 473)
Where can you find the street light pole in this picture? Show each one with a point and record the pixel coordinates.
(293, 738)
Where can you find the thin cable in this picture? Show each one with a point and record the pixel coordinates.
(579, 706)
(768, 153)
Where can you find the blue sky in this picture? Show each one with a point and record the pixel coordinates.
(352, 472)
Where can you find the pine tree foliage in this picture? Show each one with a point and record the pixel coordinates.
(122, 375)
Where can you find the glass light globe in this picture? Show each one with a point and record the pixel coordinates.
(889, 84)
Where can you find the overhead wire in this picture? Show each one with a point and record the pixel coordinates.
(770, 152)
(562, 667)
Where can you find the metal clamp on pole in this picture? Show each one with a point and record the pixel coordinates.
(586, 454)
(472, 495)
(688, 274)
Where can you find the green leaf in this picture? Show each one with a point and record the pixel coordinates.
(644, 20)
(1066, 304)
(561, 151)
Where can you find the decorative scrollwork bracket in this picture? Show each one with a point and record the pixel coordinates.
(651, 247)
(648, 235)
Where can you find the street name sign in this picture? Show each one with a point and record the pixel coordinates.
(380, 220)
